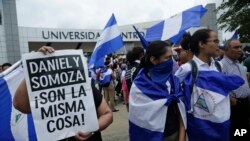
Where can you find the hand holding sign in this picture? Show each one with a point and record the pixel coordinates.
(45, 49)
(61, 98)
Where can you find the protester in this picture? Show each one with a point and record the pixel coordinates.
(107, 78)
(5, 66)
(105, 117)
(133, 58)
(206, 89)
(184, 51)
(118, 85)
(240, 109)
(125, 91)
(154, 83)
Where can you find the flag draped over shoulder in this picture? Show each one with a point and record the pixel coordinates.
(109, 42)
(208, 107)
(148, 106)
(174, 27)
(14, 125)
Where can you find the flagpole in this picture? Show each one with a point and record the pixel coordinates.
(125, 50)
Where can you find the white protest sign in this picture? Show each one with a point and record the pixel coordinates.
(60, 94)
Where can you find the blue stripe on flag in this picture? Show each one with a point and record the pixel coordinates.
(5, 112)
(218, 82)
(155, 32)
(111, 21)
(175, 39)
(137, 133)
(192, 17)
(208, 131)
(31, 128)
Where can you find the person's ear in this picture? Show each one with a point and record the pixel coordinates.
(201, 44)
(153, 60)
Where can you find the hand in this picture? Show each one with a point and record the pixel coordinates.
(82, 136)
(45, 49)
(233, 101)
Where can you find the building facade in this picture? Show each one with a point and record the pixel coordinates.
(16, 40)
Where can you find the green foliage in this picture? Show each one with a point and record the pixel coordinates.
(236, 16)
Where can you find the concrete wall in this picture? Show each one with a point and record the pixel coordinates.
(10, 26)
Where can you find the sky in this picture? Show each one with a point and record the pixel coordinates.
(93, 14)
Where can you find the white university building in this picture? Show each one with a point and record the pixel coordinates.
(16, 40)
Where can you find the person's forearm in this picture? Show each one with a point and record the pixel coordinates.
(21, 99)
(105, 120)
(182, 131)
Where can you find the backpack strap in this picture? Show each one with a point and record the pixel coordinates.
(218, 66)
(194, 71)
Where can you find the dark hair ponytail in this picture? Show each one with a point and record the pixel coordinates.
(156, 49)
(185, 41)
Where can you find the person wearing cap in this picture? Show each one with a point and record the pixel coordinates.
(184, 51)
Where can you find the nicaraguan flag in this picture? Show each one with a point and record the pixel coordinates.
(174, 27)
(109, 42)
(208, 107)
(148, 107)
(14, 125)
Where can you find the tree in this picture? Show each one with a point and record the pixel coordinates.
(236, 16)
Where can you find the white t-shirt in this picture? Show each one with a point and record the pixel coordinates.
(185, 68)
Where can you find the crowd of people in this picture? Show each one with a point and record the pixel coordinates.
(159, 74)
(202, 49)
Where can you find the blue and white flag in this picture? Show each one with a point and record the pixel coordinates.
(174, 27)
(208, 107)
(109, 42)
(14, 125)
(148, 107)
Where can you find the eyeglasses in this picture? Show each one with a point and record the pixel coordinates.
(237, 47)
(217, 41)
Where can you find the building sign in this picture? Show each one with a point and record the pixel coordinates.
(82, 35)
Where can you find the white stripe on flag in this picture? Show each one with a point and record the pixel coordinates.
(108, 34)
(19, 124)
(215, 103)
(171, 26)
(143, 109)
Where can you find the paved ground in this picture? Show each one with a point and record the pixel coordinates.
(118, 130)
